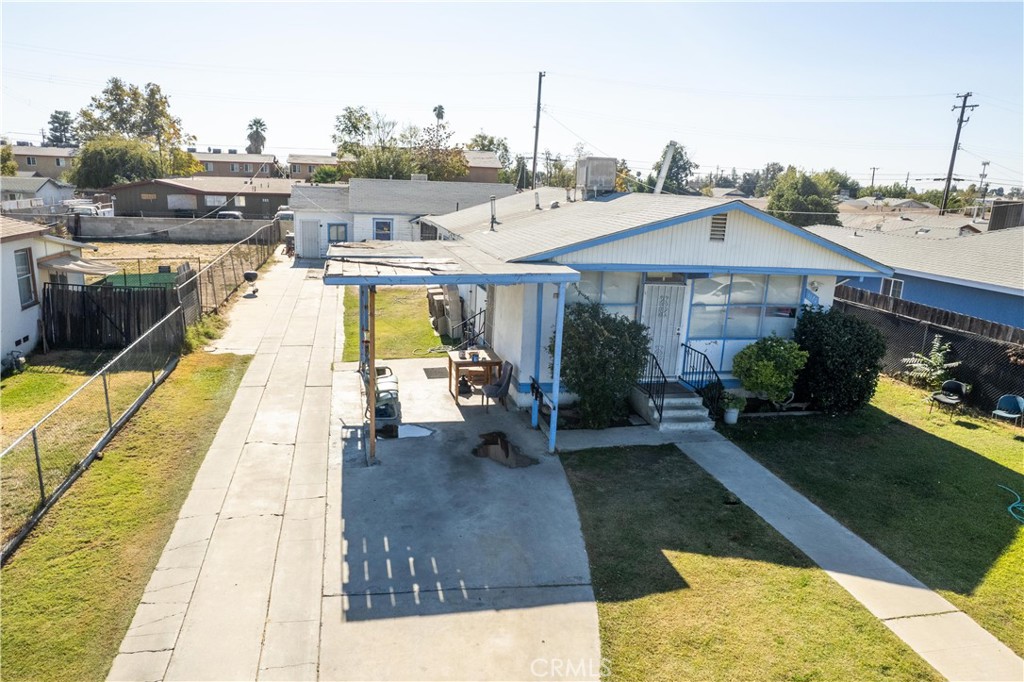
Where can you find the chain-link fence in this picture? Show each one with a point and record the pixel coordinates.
(39, 466)
(992, 368)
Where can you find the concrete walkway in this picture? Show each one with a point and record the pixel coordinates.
(237, 592)
(947, 638)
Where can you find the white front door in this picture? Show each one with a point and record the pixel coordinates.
(665, 314)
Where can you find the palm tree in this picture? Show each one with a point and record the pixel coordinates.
(256, 137)
(439, 112)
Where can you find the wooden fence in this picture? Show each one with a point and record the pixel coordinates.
(936, 316)
(80, 316)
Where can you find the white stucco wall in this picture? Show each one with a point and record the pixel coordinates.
(17, 323)
(402, 229)
(322, 219)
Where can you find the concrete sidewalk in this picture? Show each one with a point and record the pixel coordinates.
(237, 591)
(944, 636)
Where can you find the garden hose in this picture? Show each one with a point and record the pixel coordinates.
(1016, 509)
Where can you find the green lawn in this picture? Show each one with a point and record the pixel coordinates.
(70, 592)
(691, 587)
(921, 488)
(403, 324)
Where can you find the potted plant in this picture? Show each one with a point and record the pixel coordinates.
(733, 405)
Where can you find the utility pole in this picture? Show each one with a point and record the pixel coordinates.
(956, 145)
(982, 187)
(536, 130)
(906, 185)
(873, 169)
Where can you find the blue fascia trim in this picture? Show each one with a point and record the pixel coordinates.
(704, 213)
(428, 278)
(713, 269)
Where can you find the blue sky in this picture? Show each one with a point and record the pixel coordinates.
(810, 84)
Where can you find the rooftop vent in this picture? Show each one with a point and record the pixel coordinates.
(718, 223)
(554, 204)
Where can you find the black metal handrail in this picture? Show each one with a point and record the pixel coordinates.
(653, 382)
(698, 373)
(469, 329)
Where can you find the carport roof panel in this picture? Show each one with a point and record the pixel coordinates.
(439, 262)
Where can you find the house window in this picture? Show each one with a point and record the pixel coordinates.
(247, 167)
(234, 167)
(744, 306)
(337, 232)
(718, 227)
(215, 200)
(616, 291)
(58, 278)
(60, 162)
(208, 166)
(30, 160)
(382, 229)
(26, 277)
(892, 287)
(310, 168)
(295, 168)
(240, 201)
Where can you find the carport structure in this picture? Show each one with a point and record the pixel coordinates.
(372, 264)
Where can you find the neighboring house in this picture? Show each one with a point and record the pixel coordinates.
(885, 204)
(302, 166)
(51, 162)
(728, 192)
(378, 209)
(922, 223)
(30, 258)
(19, 193)
(202, 196)
(483, 166)
(981, 275)
(235, 165)
(705, 275)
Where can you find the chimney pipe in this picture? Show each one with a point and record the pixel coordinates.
(536, 200)
(494, 218)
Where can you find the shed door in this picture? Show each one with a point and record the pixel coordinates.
(664, 312)
(309, 243)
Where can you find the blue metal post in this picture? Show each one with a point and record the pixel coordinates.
(556, 380)
(535, 413)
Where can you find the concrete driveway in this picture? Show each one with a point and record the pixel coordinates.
(455, 567)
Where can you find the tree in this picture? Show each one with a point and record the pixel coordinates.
(8, 166)
(351, 131)
(833, 182)
(439, 113)
(798, 200)
(489, 143)
(113, 160)
(434, 155)
(603, 354)
(256, 137)
(326, 175)
(519, 175)
(767, 178)
(181, 163)
(60, 130)
(680, 168)
(126, 110)
(894, 191)
(748, 183)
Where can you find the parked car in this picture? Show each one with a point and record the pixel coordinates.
(230, 215)
(83, 210)
(284, 215)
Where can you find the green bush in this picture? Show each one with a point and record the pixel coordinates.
(930, 369)
(603, 355)
(845, 359)
(769, 367)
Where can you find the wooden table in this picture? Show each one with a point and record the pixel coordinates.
(486, 359)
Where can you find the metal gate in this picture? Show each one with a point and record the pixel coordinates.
(665, 314)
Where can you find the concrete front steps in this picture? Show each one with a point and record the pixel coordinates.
(683, 410)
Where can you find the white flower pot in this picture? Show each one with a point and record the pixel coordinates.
(731, 415)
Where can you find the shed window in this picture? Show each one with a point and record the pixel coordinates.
(382, 229)
(718, 227)
(892, 287)
(26, 277)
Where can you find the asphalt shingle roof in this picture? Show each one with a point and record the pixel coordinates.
(11, 228)
(210, 183)
(991, 258)
(420, 197)
(235, 158)
(25, 150)
(481, 159)
(319, 198)
(20, 184)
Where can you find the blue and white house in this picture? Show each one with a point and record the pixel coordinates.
(706, 275)
(981, 275)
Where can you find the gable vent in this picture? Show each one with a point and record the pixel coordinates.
(718, 227)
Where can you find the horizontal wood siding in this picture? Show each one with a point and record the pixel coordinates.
(749, 243)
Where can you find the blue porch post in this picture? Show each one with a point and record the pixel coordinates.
(535, 412)
(556, 379)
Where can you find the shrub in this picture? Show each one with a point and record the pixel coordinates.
(731, 401)
(769, 367)
(603, 355)
(844, 362)
(929, 369)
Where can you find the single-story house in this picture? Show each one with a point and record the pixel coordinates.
(708, 276)
(235, 165)
(256, 199)
(951, 225)
(51, 162)
(32, 256)
(387, 210)
(981, 275)
(22, 193)
(885, 204)
(483, 166)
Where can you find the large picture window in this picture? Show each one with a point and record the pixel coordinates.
(26, 277)
(616, 291)
(744, 306)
